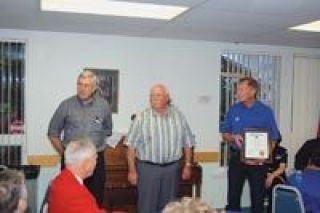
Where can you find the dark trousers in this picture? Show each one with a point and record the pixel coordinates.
(237, 174)
(157, 185)
(95, 183)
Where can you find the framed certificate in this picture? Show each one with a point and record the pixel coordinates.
(257, 145)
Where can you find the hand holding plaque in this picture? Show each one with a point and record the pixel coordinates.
(256, 146)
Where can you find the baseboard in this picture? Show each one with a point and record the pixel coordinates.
(206, 157)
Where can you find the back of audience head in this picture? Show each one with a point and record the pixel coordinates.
(13, 176)
(80, 156)
(315, 159)
(188, 205)
(13, 192)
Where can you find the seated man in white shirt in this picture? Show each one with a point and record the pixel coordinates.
(67, 192)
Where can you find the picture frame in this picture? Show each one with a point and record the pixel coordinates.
(108, 84)
(256, 145)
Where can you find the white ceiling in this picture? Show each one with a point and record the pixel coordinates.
(240, 21)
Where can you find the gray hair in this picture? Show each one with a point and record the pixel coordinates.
(12, 189)
(13, 176)
(9, 197)
(79, 150)
(188, 205)
(89, 74)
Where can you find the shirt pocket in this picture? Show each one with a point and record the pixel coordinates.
(96, 123)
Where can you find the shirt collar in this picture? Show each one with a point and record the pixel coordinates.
(86, 102)
(166, 113)
(79, 179)
(252, 106)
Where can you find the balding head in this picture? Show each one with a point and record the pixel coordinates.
(159, 98)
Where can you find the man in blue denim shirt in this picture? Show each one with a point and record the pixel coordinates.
(85, 114)
(248, 113)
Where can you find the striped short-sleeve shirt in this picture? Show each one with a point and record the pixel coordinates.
(160, 138)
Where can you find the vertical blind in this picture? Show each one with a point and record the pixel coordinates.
(12, 101)
(263, 67)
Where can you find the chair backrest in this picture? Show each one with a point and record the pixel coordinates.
(44, 203)
(287, 199)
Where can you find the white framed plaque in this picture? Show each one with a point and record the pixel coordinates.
(257, 145)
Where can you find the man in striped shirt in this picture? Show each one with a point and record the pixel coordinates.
(157, 140)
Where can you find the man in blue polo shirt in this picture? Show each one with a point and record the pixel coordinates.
(248, 113)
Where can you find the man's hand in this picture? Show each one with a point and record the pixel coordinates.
(132, 172)
(186, 171)
(238, 139)
(133, 177)
(269, 180)
(57, 144)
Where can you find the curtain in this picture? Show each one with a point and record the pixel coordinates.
(305, 102)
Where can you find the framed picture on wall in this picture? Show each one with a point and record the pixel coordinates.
(108, 83)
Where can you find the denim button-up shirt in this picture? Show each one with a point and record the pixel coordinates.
(75, 118)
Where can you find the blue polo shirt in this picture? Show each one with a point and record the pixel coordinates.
(241, 117)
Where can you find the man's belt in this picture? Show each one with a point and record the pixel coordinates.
(158, 164)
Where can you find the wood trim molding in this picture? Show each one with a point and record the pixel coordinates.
(44, 160)
(206, 157)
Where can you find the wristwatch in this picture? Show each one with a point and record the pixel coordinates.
(188, 164)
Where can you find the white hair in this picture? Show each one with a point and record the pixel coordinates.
(162, 87)
(188, 205)
(79, 150)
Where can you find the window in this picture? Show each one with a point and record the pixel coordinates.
(264, 68)
(12, 101)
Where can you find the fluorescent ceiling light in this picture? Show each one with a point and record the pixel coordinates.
(312, 27)
(114, 8)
